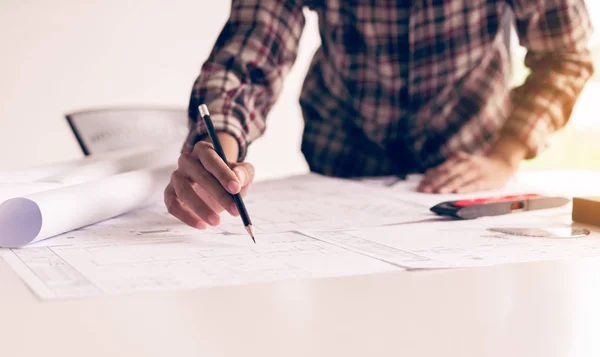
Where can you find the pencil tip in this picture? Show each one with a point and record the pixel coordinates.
(250, 230)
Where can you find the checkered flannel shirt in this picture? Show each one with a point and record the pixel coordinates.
(397, 86)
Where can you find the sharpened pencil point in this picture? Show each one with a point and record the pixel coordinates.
(250, 230)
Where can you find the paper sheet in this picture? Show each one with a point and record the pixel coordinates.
(406, 189)
(462, 243)
(148, 250)
(81, 192)
(30, 218)
(321, 203)
(309, 227)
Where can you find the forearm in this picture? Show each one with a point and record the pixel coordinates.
(510, 150)
(244, 74)
(556, 37)
(544, 103)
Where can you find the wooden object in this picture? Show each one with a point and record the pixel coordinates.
(586, 210)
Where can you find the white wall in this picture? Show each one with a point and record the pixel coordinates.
(65, 55)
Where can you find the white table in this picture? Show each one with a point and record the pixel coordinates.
(541, 309)
(535, 309)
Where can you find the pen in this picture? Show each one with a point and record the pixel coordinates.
(219, 149)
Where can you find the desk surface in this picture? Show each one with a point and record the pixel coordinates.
(541, 309)
(535, 309)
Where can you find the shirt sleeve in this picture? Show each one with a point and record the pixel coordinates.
(555, 34)
(243, 75)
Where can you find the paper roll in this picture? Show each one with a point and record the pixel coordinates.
(31, 218)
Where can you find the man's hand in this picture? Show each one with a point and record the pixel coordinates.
(201, 187)
(467, 173)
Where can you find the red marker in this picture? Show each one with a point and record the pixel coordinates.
(495, 206)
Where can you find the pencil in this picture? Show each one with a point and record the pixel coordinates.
(219, 149)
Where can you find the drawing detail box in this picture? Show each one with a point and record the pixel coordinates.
(108, 129)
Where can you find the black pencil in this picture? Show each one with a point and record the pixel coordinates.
(219, 149)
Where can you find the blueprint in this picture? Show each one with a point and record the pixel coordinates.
(462, 243)
(148, 250)
(313, 202)
(308, 227)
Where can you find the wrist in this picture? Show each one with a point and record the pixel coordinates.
(510, 150)
(230, 146)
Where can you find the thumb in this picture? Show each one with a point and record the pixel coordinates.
(245, 172)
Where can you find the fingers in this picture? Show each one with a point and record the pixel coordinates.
(449, 164)
(465, 173)
(181, 212)
(245, 173)
(213, 164)
(247, 176)
(475, 185)
(189, 197)
(466, 177)
(203, 185)
(206, 185)
(439, 177)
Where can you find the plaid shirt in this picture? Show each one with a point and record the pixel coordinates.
(397, 86)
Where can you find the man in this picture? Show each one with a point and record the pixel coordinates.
(397, 87)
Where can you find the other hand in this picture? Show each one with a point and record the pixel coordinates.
(201, 187)
(465, 173)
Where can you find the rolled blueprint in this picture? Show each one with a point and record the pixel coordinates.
(37, 216)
